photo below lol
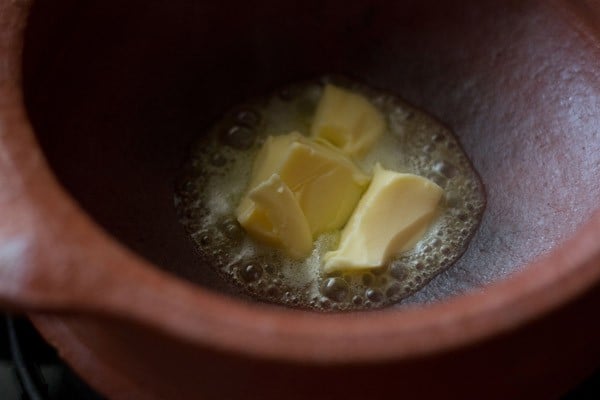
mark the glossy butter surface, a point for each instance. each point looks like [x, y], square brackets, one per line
[325, 187]
[391, 217]
[347, 120]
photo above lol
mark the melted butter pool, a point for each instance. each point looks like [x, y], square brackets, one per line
[414, 142]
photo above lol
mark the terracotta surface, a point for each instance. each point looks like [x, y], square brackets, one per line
[91, 248]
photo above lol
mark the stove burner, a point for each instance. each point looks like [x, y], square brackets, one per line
[38, 371]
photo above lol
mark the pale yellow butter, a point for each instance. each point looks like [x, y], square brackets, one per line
[347, 120]
[325, 184]
[286, 220]
[391, 217]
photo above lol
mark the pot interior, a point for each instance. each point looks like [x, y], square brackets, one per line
[117, 95]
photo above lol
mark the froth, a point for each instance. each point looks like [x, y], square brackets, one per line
[219, 171]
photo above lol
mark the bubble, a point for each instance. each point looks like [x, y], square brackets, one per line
[251, 272]
[239, 137]
[325, 303]
[335, 289]
[374, 295]
[446, 169]
[232, 229]
[357, 300]
[204, 239]
[248, 117]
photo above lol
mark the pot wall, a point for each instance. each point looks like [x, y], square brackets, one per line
[539, 360]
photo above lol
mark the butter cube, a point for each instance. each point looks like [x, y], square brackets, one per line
[286, 220]
[347, 120]
[325, 184]
[391, 218]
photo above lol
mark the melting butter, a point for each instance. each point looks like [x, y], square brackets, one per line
[220, 169]
[326, 186]
[300, 188]
[288, 226]
[347, 120]
[390, 218]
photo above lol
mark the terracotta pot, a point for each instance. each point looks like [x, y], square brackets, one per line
[99, 102]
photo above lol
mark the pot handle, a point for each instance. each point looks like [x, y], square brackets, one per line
[53, 257]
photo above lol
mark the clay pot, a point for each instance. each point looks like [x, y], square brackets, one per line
[100, 101]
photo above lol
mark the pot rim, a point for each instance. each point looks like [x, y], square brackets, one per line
[143, 294]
